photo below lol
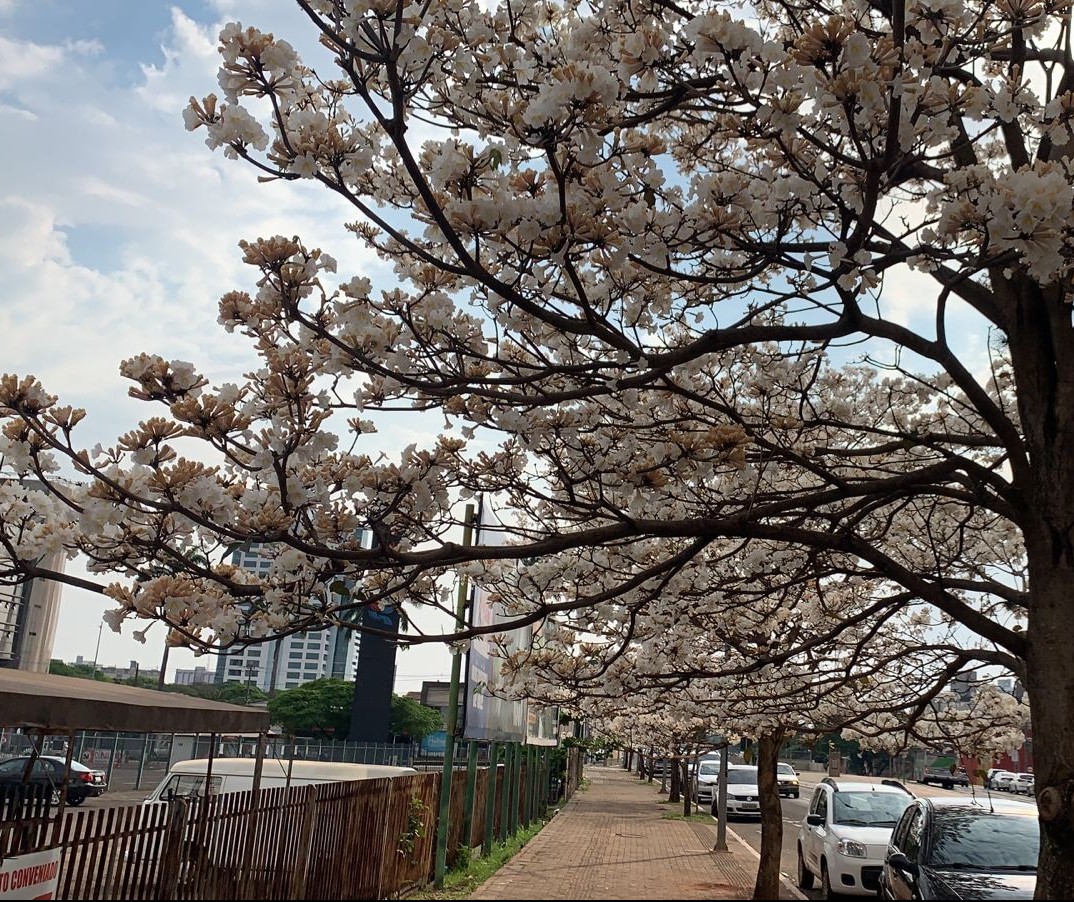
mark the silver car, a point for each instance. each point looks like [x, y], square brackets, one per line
[706, 781]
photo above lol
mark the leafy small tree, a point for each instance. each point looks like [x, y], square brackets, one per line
[318, 708]
[412, 720]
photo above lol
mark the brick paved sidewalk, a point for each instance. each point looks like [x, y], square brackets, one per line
[611, 841]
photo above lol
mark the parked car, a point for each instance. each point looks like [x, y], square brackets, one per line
[1003, 780]
[945, 776]
[990, 777]
[743, 796]
[1024, 783]
[843, 840]
[787, 778]
[963, 848]
[707, 780]
[48, 770]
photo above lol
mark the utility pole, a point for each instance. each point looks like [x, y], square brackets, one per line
[721, 804]
[452, 716]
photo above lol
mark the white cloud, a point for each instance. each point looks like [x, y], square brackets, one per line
[118, 233]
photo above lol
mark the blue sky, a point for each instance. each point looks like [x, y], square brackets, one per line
[118, 228]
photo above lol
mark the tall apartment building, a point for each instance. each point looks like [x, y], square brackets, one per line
[29, 613]
[292, 660]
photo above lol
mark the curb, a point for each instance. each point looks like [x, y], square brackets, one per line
[790, 887]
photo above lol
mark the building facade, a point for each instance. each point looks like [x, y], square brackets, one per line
[290, 661]
[29, 614]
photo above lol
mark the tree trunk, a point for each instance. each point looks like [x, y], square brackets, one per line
[767, 885]
[1041, 344]
[673, 795]
[684, 778]
[652, 763]
[1050, 683]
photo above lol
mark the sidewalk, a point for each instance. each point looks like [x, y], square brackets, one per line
[611, 841]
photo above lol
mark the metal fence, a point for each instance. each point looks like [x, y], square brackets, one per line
[136, 761]
[370, 839]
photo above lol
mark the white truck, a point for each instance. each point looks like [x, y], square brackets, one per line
[186, 779]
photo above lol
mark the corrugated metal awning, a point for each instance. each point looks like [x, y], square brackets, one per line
[67, 703]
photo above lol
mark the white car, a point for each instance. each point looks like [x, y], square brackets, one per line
[1003, 780]
[787, 778]
[707, 779]
[844, 838]
[743, 796]
[1026, 783]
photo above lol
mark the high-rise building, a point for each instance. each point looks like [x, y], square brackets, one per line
[292, 660]
[29, 613]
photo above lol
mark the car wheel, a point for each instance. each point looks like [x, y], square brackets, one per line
[54, 798]
[949, 786]
[805, 876]
[75, 799]
[826, 883]
[797, 795]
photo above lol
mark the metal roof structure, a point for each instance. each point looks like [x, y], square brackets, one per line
[43, 700]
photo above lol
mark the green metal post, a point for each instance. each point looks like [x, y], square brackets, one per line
[490, 800]
[471, 791]
[442, 826]
[516, 779]
[505, 801]
[531, 781]
[542, 788]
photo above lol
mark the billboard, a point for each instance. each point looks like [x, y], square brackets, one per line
[485, 716]
[374, 677]
[542, 724]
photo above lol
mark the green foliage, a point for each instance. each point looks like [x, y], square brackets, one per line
[140, 682]
[232, 693]
[679, 816]
[412, 720]
[81, 671]
[414, 829]
[468, 874]
[319, 708]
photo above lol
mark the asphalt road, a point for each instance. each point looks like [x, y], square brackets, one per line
[794, 812]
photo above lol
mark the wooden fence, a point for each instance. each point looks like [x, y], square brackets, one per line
[370, 839]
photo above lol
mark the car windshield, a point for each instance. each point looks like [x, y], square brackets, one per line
[785, 769]
[986, 842]
[869, 809]
[1026, 777]
[746, 776]
[708, 769]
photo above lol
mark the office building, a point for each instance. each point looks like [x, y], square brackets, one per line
[290, 661]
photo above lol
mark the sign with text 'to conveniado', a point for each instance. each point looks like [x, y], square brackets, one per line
[32, 876]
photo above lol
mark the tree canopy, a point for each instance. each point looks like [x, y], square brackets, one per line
[727, 303]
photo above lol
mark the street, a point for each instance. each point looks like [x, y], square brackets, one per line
[794, 812]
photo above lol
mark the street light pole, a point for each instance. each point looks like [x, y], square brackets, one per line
[163, 664]
[97, 650]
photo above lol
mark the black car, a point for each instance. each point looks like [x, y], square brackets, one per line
[963, 848]
[48, 771]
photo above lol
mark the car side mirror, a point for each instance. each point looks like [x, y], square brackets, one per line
[815, 820]
[900, 862]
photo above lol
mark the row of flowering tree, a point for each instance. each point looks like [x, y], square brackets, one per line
[752, 657]
[675, 273]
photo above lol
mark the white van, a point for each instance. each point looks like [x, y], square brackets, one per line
[187, 778]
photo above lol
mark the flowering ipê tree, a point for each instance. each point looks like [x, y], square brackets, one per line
[633, 239]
